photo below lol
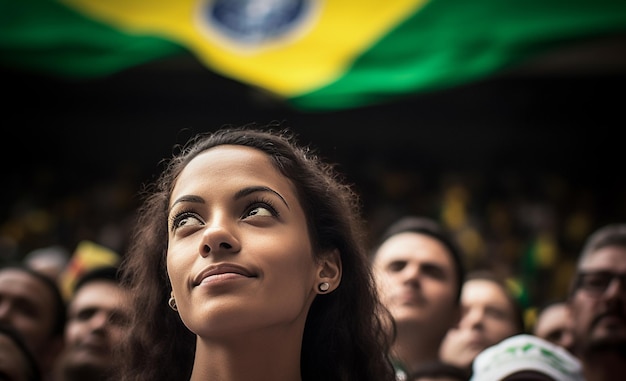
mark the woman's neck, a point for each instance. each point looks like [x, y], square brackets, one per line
[262, 357]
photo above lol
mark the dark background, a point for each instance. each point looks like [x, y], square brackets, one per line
[532, 151]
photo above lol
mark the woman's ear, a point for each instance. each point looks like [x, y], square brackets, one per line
[329, 272]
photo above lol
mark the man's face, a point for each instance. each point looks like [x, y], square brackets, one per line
[598, 302]
[417, 281]
[27, 305]
[487, 317]
[98, 317]
[554, 325]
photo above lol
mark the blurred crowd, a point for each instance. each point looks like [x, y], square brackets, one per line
[514, 244]
[526, 228]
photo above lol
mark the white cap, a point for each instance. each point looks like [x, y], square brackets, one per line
[523, 353]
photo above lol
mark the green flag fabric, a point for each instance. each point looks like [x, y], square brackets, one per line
[315, 54]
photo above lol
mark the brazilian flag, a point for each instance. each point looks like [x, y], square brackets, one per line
[314, 54]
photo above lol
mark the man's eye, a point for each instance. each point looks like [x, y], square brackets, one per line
[496, 313]
[597, 281]
[83, 315]
[396, 266]
[27, 309]
[119, 319]
[434, 272]
[554, 336]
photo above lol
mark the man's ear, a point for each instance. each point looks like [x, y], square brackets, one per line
[329, 272]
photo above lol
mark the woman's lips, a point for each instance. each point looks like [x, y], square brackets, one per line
[221, 271]
[221, 277]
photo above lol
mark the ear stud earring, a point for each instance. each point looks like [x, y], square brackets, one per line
[324, 286]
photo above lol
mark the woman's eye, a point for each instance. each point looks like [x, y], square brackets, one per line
[259, 210]
[185, 219]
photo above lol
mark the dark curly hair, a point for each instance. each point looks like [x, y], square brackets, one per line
[344, 336]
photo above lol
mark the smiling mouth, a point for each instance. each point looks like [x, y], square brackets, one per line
[222, 272]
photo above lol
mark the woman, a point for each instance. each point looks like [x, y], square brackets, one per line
[248, 264]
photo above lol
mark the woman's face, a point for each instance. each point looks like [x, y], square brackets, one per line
[239, 255]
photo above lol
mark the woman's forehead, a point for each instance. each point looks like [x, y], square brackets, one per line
[233, 166]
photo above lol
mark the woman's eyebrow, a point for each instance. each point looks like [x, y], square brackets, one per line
[249, 190]
[187, 198]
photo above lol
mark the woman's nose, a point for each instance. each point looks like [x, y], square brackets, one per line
[218, 238]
